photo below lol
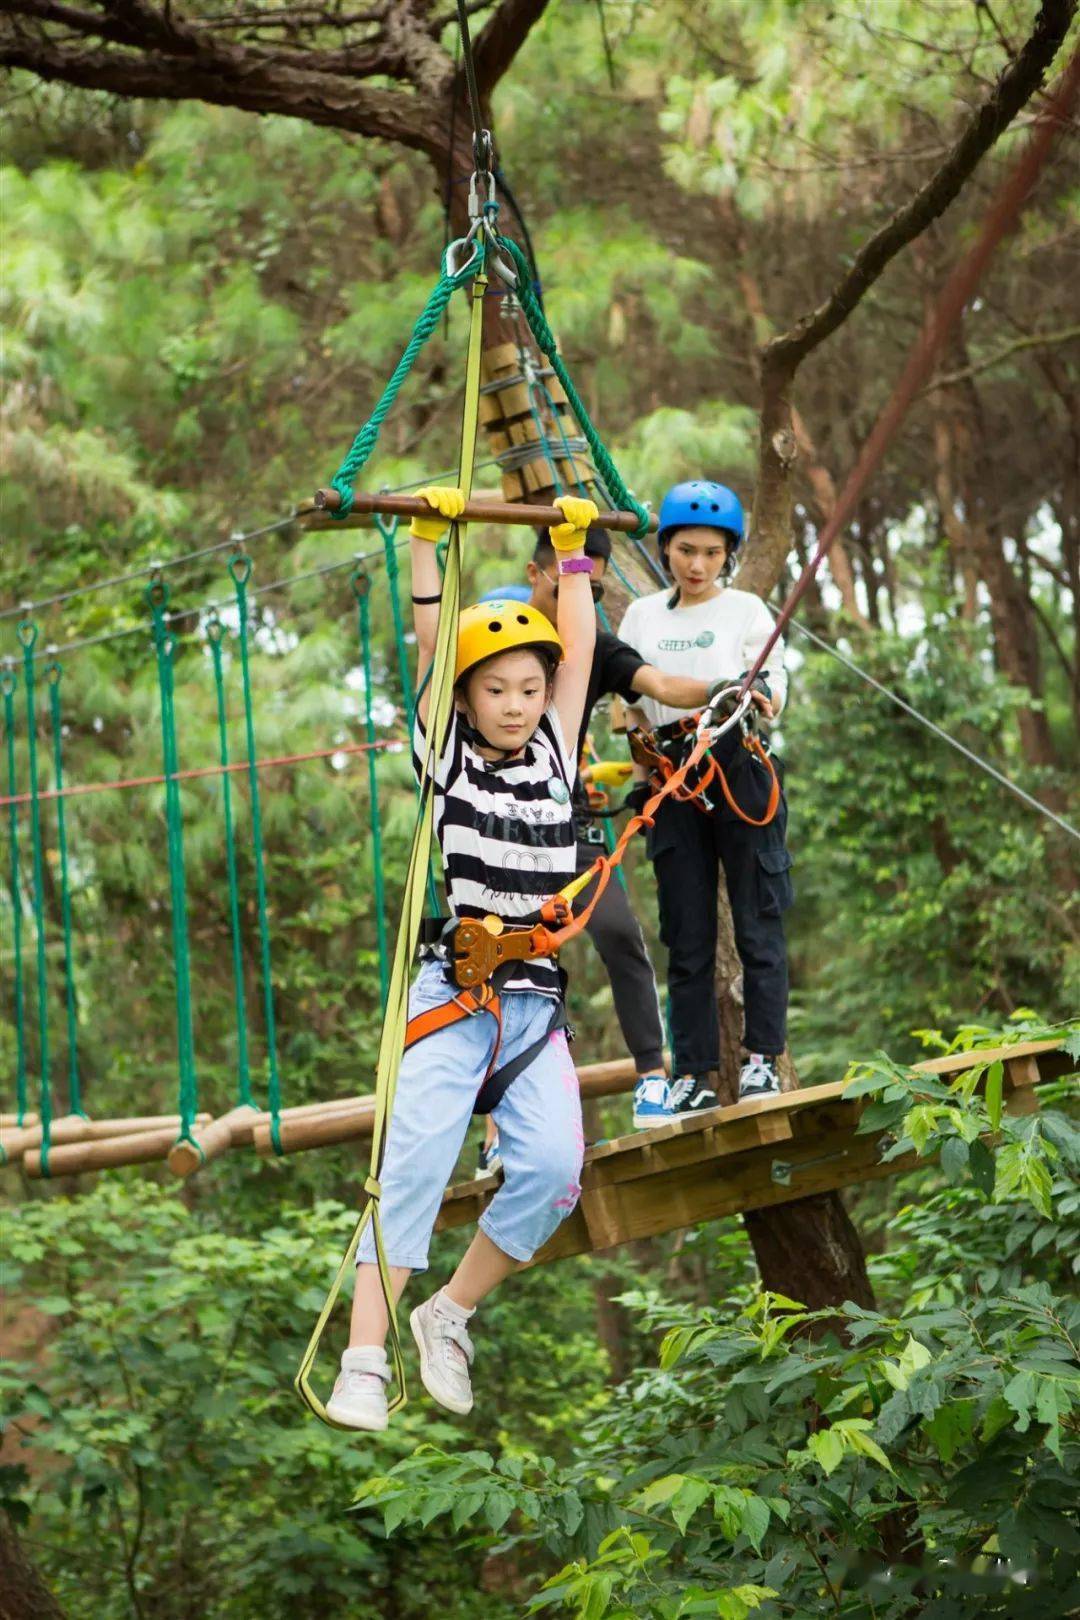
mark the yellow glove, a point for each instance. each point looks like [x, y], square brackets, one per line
[448, 503]
[570, 536]
[608, 772]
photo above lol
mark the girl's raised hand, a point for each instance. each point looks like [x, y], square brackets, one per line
[447, 502]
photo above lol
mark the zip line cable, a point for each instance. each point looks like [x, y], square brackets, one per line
[936, 730]
[239, 539]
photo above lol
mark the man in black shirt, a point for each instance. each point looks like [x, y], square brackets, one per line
[617, 669]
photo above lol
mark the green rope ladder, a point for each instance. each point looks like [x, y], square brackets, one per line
[28, 635]
[240, 572]
[7, 689]
[215, 633]
[54, 674]
[157, 597]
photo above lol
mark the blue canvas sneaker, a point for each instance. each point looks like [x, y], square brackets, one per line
[651, 1102]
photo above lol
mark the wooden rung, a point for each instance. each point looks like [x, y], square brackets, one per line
[237, 1129]
[512, 400]
[208, 1143]
[10, 1122]
[489, 409]
[72, 1128]
[78, 1158]
[497, 359]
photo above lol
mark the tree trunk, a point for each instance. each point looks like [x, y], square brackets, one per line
[809, 1249]
[23, 1593]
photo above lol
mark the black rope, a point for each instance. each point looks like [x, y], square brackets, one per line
[482, 156]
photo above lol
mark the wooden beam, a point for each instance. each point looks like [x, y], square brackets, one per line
[746, 1156]
[476, 511]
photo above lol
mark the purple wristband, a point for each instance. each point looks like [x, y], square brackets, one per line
[575, 565]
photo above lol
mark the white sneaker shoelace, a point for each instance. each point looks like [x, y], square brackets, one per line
[757, 1076]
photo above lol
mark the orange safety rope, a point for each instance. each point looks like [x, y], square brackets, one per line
[192, 774]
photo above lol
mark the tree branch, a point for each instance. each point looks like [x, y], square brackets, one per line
[228, 77]
[782, 356]
[502, 37]
[1036, 340]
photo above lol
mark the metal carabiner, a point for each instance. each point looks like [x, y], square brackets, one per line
[705, 728]
[458, 246]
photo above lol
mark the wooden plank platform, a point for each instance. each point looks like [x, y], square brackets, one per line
[749, 1155]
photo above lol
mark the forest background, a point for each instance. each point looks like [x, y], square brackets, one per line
[200, 308]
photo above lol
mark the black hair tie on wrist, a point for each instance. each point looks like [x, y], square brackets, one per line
[426, 601]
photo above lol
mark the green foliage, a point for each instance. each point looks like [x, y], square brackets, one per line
[917, 1457]
[198, 314]
[165, 1418]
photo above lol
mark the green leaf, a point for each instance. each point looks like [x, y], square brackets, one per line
[498, 1506]
[954, 1160]
[755, 1520]
[691, 1494]
[995, 1086]
[827, 1448]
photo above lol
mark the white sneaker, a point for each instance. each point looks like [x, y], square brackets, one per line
[446, 1352]
[758, 1077]
[651, 1106]
[359, 1398]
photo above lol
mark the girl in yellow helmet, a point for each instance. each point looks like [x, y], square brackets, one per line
[503, 816]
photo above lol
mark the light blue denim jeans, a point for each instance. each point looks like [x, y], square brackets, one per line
[539, 1119]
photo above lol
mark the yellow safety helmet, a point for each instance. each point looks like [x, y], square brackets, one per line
[488, 628]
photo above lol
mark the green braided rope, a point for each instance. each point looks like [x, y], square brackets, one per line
[361, 588]
[344, 479]
[215, 632]
[55, 675]
[7, 687]
[157, 598]
[545, 338]
[28, 635]
[240, 572]
[388, 528]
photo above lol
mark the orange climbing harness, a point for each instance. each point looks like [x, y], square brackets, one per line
[478, 949]
[647, 750]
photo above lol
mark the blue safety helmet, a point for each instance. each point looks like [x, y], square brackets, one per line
[701, 504]
[508, 593]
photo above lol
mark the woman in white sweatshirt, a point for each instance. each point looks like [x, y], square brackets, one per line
[704, 629]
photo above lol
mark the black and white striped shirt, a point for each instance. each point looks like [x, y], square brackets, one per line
[506, 831]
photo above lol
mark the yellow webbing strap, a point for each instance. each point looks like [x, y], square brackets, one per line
[392, 1043]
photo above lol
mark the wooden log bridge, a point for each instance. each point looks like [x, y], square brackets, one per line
[750, 1155]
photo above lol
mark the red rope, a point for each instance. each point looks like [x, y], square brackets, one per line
[1000, 218]
[201, 770]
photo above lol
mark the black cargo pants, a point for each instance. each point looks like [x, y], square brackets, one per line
[688, 849]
